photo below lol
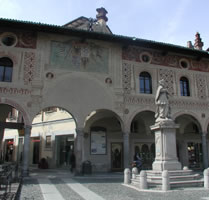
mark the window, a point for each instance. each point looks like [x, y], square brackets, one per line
[184, 63]
[145, 57]
[6, 67]
[145, 83]
[184, 86]
[48, 141]
[8, 40]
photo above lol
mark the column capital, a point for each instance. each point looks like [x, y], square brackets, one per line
[204, 133]
[28, 126]
[126, 133]
[80, 131]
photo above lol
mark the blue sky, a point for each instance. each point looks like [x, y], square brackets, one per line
[170, 21]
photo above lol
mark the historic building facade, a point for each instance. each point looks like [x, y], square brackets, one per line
[108, 84]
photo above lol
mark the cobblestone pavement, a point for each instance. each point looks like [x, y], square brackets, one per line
[31, 190]
[105, 187]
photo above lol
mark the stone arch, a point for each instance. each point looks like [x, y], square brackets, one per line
[48, 106]
[189, 139]
[194, 115]
[93, 114]
[10, 56]
[136, 112]
[78, 93]
[16, 105]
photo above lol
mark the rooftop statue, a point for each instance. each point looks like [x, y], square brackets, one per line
[163, 111]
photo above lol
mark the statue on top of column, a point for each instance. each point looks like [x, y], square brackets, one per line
[163, 111]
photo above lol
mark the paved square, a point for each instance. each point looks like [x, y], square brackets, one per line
[59, 185]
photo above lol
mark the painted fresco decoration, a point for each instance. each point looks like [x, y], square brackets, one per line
[75, 56]
[25, 39]
[29, 67]
[133, 54]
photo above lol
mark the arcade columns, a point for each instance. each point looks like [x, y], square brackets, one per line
[79, 149]
[26, 151]
[126, 149]
[205, 150]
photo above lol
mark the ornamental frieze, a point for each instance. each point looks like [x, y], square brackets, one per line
[22, 39]
[176, 103]
[135, 100]
[14, 91]
[157, 58]
[189, 104]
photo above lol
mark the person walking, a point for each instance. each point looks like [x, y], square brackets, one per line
[72, 162]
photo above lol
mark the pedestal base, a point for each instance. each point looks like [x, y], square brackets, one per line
[165, 146]
[166, 165]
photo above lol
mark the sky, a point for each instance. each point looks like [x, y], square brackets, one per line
[169, 21]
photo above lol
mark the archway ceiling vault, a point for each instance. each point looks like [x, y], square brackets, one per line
[5, 110]
[186, 120]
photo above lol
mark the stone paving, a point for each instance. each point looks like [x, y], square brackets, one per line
[31, 190]
[106, 186]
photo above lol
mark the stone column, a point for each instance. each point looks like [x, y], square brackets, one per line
[183, 151]
[1, 143]
[205, 150]
[165, 146]
[26, 151]
[79, 149]
[126, 152]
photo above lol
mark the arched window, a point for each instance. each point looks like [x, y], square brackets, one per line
[6, 66]
[145, 83]
[184, 86]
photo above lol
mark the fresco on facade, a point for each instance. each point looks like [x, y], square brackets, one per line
[25, 39]
[157, 58]
[75, 56]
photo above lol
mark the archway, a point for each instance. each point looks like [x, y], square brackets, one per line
[189, 143]
[103, 141]
[52, 138]
[11, 133]
[142, 139]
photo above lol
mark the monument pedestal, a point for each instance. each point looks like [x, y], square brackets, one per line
[165, 146]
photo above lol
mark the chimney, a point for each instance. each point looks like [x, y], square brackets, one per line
[189, 45]
[198, 42]
[101, 16]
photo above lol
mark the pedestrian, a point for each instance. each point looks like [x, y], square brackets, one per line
[72, 161]
[137, 160]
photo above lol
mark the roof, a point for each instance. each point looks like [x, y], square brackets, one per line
[123, 40]
[80, 21]
[77, 22]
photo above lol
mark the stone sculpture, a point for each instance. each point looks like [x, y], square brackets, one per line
[162, 103]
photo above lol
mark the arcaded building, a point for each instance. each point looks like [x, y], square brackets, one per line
[108, 84]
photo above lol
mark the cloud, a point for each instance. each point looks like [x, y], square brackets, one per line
[9, 9]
